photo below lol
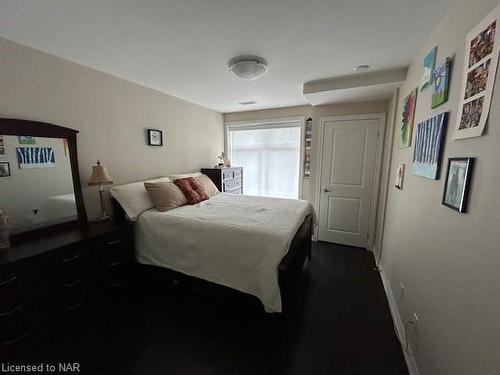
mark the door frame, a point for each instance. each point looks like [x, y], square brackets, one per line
[280, 120]
[381, 117]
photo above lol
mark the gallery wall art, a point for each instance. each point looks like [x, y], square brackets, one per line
[456, 187]
[429, 62]
[428, 148]
[406, 130]
[480, 66]
[35, 157]
[440, 84]
[2, 146]
[308, 148]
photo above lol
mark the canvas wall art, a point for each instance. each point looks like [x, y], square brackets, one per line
[35, 157]
[480, 66]
[429, 141]
[429, 62]
[440, 84]
[456, 187]
[409, 105]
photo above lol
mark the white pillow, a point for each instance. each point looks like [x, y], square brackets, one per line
[184, 175]
[134, 197]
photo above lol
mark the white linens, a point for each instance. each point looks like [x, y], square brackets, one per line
[234, 240]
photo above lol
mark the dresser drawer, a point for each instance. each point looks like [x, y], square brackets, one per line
[227, 175]
[232, 184]
[237, 173]
[11, 293]
[12, 326]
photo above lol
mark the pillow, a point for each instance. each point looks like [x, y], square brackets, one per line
[208, 185]
[184, 175]
[192, 189]
[165, 195]
[134, 198]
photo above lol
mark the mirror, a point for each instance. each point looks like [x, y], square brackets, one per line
[36, 184]
[40, 185]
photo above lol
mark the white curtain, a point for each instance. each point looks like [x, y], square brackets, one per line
[270, 157]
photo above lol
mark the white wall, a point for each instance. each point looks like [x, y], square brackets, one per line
[448, 262]
[111, 114]
[308, 184]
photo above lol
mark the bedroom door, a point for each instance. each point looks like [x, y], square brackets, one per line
[348, 163]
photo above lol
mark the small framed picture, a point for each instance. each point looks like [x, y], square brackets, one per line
[155, 137]
[400, 175]
[4, 169]
[456, 186]
[26, 140]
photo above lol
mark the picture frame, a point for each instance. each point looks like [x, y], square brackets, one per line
[408, 117]
[155, 137]
[457, 183]
[4, 169]
[26, 140]
[400, 175]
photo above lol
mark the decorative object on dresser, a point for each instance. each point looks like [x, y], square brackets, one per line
[227, 180]
[101, 177]
[155, 137]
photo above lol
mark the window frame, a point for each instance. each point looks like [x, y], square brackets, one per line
[269, 124]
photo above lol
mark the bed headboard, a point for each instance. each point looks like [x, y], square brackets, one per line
[119, 215]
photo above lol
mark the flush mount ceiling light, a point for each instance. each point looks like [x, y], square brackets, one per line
[247, 67]
[361, 68]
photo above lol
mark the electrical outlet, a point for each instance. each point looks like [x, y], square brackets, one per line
[401, 292]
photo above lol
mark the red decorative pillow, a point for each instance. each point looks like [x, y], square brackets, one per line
[192, 190]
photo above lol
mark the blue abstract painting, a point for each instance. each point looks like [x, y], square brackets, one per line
[429, 142]
[36, 157]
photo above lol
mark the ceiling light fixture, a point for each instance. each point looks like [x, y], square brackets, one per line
[361, 68]
[247, 67]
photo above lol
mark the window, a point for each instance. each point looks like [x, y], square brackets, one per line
[270, 156]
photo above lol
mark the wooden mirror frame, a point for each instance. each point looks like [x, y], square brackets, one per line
[19, 127]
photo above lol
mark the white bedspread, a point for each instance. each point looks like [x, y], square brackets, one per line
[233, 240]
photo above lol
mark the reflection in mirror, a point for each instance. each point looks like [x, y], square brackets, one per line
[36, 189]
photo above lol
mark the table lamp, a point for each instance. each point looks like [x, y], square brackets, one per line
[101, 177]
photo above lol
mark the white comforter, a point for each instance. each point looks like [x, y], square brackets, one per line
[233, 240]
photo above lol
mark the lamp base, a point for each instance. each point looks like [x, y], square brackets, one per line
[104, 217]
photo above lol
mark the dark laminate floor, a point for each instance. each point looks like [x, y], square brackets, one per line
[337, 323]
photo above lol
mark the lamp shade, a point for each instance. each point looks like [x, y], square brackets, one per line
[100, 175]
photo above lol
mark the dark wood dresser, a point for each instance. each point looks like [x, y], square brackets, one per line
[227, 180]
[47, 280]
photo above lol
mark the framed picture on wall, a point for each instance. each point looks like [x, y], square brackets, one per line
[4, 169]
[155, 137]
[456, 186]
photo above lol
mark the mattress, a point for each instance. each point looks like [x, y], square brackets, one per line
[233, 240]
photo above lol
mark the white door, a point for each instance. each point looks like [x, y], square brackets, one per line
[347, 176]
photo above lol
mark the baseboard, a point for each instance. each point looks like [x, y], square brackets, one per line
[399, 326]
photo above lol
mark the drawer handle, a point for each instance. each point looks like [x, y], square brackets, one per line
[14, 278]
[13, 311]
[65, 260]
[113, 242]
[16, 340]
[73, 307]
[72, 284]
[114, 264]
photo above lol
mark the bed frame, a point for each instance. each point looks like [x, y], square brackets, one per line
[288, 269]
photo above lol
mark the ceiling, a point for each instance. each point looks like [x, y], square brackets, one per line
[181, 47]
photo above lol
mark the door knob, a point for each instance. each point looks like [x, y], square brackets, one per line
[327, 191]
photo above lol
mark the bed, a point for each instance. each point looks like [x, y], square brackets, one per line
[255, 245]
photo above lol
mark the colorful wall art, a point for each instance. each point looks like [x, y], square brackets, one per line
[480, 66]
[400, 175]
[36, 157]
[429, 62]
[440, 84]
[429, 141]
[409, 105]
